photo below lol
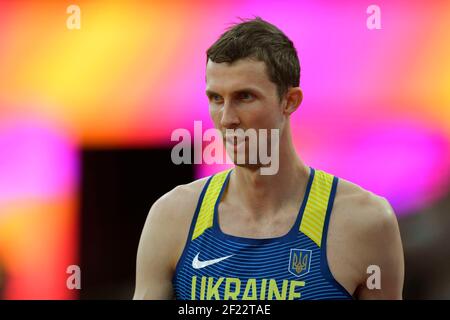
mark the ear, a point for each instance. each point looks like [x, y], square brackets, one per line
[294, 98]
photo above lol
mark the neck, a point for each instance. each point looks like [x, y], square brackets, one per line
[264, 194]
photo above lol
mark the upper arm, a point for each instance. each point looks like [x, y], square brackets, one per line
[382, 248]
[154, 263]
[162, 241]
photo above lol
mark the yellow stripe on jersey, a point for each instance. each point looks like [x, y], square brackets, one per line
[206, 214]
[316, 206]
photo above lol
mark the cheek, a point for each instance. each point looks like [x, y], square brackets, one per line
[215, 115]
[270, 117]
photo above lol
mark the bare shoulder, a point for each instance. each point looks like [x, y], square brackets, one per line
[366, 210]
[162, 240]
[170, 217]
[364, 231]
[177, 203]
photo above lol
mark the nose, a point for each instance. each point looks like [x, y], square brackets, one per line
[229, 117]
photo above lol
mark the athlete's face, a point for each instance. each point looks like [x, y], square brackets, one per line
[241, 96]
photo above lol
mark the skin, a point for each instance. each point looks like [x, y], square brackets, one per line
[363, 229]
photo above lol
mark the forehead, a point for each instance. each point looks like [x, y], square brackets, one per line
[243, 72]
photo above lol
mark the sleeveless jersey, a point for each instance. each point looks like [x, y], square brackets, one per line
[219, 266]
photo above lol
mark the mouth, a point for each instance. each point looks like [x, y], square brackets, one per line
[235, 142]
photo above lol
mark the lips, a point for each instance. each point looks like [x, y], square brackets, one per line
[235, 138]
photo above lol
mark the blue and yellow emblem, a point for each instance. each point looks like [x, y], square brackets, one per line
[299, 262]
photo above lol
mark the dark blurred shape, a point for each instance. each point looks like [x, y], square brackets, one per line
[426, 243]
[118, 188]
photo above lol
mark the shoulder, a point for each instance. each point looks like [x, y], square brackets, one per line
[176, 206]
[368, 212]
[162, 240]
[363, 232]
[168, 221]
[183, 197]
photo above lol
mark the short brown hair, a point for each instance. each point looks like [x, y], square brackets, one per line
[262, 41]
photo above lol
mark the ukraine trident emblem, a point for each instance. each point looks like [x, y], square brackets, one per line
[299, 262]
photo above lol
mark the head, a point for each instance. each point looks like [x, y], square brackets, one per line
[252, 78]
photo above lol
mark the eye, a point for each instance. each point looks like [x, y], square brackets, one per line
[245, 96]
[215, 98]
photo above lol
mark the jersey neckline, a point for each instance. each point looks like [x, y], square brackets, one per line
[290, 235]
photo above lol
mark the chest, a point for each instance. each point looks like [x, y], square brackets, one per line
[235, 221]
[219, 266]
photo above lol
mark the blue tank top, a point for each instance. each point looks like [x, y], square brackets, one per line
[219, 266]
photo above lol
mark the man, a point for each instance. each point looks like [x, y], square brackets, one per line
[298, 234]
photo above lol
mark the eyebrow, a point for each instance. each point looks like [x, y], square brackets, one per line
[251, 90]
[211, 93]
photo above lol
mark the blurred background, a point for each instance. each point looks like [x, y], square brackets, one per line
[86, 117]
